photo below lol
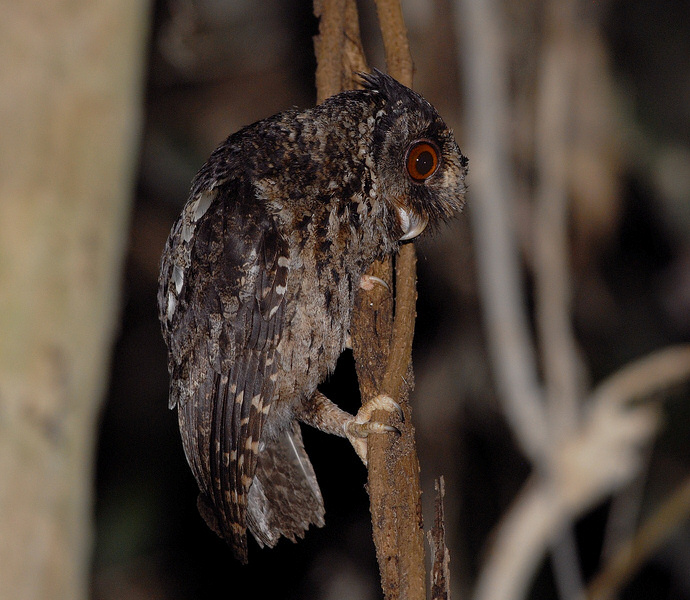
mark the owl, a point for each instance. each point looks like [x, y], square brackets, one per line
[258, 281]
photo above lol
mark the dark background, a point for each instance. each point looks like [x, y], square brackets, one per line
[214, 67]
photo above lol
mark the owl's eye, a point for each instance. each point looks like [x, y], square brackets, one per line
[422, 160]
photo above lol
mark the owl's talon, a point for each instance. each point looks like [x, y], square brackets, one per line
[367, 282]
[362, 430]
[359, 427]
[380, 402]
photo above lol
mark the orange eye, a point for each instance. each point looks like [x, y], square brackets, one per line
[422, 160]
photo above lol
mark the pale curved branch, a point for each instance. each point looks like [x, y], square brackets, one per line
[645, 376]
[603, 456]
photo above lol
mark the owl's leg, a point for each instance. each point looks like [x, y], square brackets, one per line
[322, 413]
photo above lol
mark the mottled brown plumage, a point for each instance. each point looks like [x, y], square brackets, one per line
[258, 280]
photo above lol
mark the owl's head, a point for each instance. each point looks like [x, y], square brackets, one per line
[419, 169]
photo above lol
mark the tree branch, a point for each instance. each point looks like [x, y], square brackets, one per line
[338, 47]
[440, 569]
[394, 467]
[328, 46]
[379, 340]
[586, 468]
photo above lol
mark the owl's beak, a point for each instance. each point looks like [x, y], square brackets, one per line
[411, 223]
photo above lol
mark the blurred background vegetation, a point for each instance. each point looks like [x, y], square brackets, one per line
[213, 66]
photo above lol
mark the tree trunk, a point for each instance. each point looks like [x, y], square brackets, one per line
[69, 115]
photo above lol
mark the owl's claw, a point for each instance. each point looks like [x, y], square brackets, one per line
[367, 282]
[359, 427]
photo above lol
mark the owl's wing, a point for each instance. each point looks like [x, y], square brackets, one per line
[223, 337]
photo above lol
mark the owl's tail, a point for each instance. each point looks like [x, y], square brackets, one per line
[284, 498]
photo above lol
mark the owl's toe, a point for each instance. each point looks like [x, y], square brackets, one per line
[380, 402]
[367, 282]
[359, 427]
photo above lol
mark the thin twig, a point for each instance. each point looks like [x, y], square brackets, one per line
[440, 568]
[403, 325]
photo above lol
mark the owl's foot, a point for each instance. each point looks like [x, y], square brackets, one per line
[359, 427]
[367, 282]
[318, 411]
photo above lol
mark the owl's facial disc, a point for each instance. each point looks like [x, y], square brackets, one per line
[411, 223]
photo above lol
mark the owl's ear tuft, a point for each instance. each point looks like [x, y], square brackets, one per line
[378, 81]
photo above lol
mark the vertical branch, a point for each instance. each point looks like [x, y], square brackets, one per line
[338, 47]
[353, 53]
[328, 46]
[395, 44]
[382, 345]
[394, 466]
